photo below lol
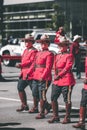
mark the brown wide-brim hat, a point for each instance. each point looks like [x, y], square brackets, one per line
[29, 38]
[44, 39]
[63, 41]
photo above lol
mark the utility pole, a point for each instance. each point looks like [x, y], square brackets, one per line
[70, 19]
[82, 21]
[1, 21]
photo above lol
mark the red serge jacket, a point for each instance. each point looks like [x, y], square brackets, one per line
[85, 84]
[27, 61]
[57, 37]
[0, 66]
[43, 65]
[63, 69]
[86, 66]
[75, 48]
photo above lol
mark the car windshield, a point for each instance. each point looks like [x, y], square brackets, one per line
[38, 37]
[51, 37]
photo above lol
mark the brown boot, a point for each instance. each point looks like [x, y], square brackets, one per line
[40, 116]
[81, 123]
[42, 108]
[35, 107]
[23, 109]
[48, 107]
[24, 106]
[67, 116]
[55, 117]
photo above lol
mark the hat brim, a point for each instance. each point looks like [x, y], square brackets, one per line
[28, 40]
[65, 43]
[43, 41]
[76, 38]
[38, 41]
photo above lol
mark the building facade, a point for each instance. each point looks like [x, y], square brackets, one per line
[23, 16]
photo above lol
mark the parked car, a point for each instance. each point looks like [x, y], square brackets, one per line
[16, 49]
[38, 33]
[12, 50]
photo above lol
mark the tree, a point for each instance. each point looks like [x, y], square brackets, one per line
[58, 18]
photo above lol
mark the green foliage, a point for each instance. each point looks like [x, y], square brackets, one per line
[58, 18]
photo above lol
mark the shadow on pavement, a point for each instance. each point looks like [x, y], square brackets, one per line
[8, 128]
[9, 80]
[10, 123]
[2, 125]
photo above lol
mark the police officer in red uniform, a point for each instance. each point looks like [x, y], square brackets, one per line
[42, 74]
[83, 103]
[75, 50]
[63, 81]
[25, 65]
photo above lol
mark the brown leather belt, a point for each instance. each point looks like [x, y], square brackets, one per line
[59, 70]
[40, 66]
[26, 67]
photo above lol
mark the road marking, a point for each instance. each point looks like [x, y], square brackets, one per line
[62, 106]
[17, 100]
[12, 99]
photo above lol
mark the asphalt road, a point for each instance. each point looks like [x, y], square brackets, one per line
[9, 102]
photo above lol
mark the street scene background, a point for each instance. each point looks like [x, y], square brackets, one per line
[9, 102]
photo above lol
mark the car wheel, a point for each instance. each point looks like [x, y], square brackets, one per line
[8, 62]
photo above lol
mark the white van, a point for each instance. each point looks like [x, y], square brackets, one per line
[12, 50]
[17, 49]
